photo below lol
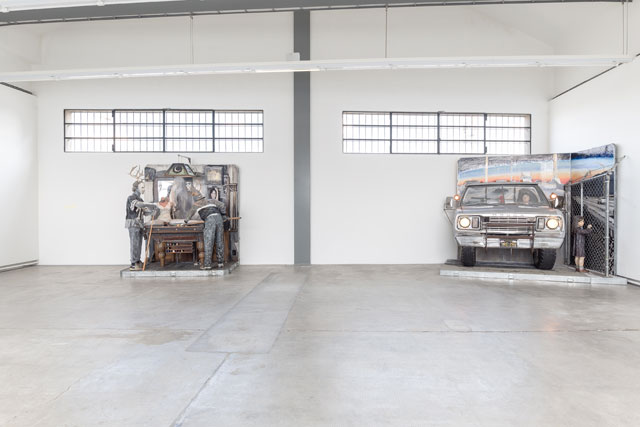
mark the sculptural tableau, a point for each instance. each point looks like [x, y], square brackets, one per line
[188, 214]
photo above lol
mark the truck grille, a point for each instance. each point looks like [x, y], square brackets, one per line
[510, 220]
[509, 225]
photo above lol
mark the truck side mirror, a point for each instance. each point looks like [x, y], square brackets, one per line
[557, 202]
[451, 203]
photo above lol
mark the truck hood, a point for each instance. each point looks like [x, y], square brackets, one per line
[508, 210]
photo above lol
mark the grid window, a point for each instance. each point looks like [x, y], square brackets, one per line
[508, 134]
[414, 133]
[189, 131]
[239, 131]
[137, 131]
[462, 133]
[435, 133]
[164, 131]
[88, 131]
[366, 132]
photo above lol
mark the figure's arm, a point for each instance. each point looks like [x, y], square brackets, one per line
[220, 205]
[137, 204]
[192, 211]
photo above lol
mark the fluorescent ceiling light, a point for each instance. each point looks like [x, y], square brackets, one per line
[13, 5]
[320, 65]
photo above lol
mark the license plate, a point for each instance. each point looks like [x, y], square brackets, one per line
[508, 243]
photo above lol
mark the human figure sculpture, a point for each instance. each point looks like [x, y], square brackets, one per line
[579, 241]
[135, 209]
[164, 212]
[181, 198]
[211, 212]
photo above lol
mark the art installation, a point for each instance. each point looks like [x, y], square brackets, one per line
[550, 171]
[188, 215]
[516, 202]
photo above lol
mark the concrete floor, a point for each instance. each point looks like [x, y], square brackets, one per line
[322, 345]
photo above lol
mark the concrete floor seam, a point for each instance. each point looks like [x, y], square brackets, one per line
[221, 318]
[180, 419]
[304, 283]
[462, 332]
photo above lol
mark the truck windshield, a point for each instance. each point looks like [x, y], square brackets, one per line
[530, 195]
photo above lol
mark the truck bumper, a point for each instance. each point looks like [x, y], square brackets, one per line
[539, 241]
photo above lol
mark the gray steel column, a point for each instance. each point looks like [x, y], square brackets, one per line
[302, 141]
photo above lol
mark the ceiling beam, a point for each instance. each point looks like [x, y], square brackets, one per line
[151, 9]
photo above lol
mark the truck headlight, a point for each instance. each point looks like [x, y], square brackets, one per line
[464, 222]
[553, 223]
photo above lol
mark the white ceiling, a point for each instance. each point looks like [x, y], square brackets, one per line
[552, 23]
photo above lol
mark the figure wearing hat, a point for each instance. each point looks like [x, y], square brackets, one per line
[578, 242]
[211, 212]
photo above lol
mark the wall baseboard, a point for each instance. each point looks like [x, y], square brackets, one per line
[18, 265]
[631, 281]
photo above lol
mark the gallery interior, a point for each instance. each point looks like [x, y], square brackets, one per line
[319, 213]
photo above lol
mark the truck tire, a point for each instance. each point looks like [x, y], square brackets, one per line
[544, 259]
[468, 256]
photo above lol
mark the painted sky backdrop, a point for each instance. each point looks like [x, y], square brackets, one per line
[551, 171]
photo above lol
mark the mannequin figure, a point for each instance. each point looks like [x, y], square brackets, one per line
[578, 243]
[135, 210]
[211, 212]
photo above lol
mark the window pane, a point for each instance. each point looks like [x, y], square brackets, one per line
[137, 130]
[189, 131]
[449, 133]
[368, 133]
[462, 133]
[414, 132]
[88, 131]
[508, 134]
[239, 131]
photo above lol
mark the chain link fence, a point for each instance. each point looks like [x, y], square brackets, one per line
[594, 199]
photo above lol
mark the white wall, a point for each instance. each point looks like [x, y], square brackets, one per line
[365, 209]
[604, 111]
[82, 196]
[388, 208]
[604, 36]
[19, 189]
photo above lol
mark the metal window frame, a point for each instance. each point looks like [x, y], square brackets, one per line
[190, 110]
[438, 127]
[231, 124]
[64, 129]
[164, 132]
